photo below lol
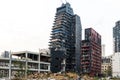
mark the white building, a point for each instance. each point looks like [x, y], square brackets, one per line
[103, 50]
[24, 62]
[116, 65]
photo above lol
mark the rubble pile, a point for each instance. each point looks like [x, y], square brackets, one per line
[55, 76]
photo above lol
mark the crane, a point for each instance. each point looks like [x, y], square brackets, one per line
[63, 2]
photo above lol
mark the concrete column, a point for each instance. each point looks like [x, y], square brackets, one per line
[10, 57]
[48, 67]
[39, 63]
[26, 64]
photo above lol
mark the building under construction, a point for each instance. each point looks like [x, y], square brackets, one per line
[91, 53]
[23, 63]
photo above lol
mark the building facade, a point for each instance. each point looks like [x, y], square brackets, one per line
[106, 66]
[116, 47]
[65, 40]
[116, 37]
[91, 53]
[24, 62]
[116, 65]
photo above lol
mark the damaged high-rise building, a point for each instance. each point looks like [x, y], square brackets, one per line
[65, 42]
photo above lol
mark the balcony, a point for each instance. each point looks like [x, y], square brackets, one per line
[32, 65]
[4, 65]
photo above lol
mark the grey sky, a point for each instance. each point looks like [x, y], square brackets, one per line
[26, 24]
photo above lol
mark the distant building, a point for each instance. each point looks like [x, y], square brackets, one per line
[103, 50]
[116, 65]
[91, 53]
[116, 37]
[24, 62]
[106, 66]
[65, 42]
[44, 51]
[5, 54]
[116, 55]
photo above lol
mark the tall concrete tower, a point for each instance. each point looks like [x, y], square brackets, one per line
[65, 42]
[103, 50]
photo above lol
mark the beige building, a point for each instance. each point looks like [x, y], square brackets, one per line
[106, 66]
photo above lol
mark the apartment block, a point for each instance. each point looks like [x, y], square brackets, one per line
[91, 53]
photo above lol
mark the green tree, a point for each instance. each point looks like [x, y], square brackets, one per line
[21, 65]
[109, 71]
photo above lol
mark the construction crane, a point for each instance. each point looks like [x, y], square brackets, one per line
[63, 2]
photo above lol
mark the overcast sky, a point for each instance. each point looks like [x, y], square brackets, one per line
[26, 24]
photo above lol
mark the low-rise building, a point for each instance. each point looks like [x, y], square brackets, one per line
[24, 62]
[106, 66]
[116, 64]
